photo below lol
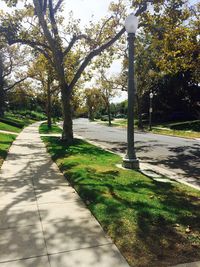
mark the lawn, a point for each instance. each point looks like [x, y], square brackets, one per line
[114, 123]
[148, 220]
[186, 134]
[43, 129]
[188, 129]
[13, 122]
[7, 127]
[193, 126]
[5, 142]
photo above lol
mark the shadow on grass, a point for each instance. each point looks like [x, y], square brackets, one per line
[139, 214]
[187, 126]
[5, 142]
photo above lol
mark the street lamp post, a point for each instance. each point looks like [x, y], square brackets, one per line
[150, 110]
[130, 161]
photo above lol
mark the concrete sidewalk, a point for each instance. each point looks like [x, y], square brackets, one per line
[43, 222]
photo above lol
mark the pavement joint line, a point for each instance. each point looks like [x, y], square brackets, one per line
[78, 249]
[38, 210]
[56, 202]
[16, 227]
[26, 258]
[20, 205]
[40, 218]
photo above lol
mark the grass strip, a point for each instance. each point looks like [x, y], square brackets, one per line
[152, 223]
[189, 129]
[43, 129]
[178, 133]
[7, 127]
[5, 142]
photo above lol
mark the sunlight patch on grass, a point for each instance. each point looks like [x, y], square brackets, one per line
[43, 129]
[5, 142]
[177, 133]
[10, 128]
[145, 218]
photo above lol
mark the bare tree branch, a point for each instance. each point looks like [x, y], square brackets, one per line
[58, 5]
[92, 55]
[34, 45]
[9, 69]
[97, 51]
[73, 41]
[142, 8]
[14, 84]
[104, 24]
[43, 24]
[52, 19]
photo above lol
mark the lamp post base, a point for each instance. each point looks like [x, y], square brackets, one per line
[131, 163]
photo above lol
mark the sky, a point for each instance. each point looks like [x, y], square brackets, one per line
[95, 10]
[87, 10]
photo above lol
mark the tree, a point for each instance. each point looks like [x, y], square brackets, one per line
[45, 36]
[22, 97]
[108, 88]
[167, 58]
[42, 71]
[94, 101]
[10, 76]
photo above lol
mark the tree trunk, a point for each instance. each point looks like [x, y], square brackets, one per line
[140, 123]
[2, 101]
[49, 119]
[67, 134]
[109, 115]
[2, 93]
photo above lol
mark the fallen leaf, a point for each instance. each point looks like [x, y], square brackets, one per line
[188, 230]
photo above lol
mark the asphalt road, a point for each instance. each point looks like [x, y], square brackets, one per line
[180, 155]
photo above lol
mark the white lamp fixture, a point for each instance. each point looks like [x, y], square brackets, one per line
[131, 23]
[151, 95]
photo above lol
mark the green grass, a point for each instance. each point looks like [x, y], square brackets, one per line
[146, 219]
[43, 129]
[10, 128]
[186, 134]
[15, 120]
[189, 129]
[30, 114]
[120, 122]
[14, 123]
[193, 126]
[5, 142]
[114, 123]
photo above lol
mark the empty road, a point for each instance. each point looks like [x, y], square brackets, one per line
[180, 155]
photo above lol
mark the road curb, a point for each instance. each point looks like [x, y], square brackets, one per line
[145, 167]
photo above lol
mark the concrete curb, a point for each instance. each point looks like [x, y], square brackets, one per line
[145, 167]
